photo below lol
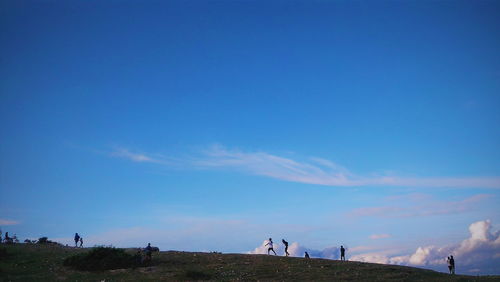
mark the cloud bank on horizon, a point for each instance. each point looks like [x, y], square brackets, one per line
[315, 170]
[478, 254]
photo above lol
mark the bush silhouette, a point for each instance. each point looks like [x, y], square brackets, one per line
[102, 258]
[44, 240]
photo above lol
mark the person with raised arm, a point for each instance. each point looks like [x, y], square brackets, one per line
[270, 244]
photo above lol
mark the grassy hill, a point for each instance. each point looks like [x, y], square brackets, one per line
[25, 262]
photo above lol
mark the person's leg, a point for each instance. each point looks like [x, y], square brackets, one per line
[268, 249]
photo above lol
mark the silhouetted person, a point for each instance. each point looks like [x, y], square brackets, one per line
[342, 253]
[148, 250]
[449, 264]
[306, 255]
[7, 238]
[81, 242]
[77, 238]
[452, 263]
[270, 244]
[286, 247]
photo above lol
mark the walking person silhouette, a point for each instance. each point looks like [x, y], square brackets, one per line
[270, 244]
[77, 238]
[286, 247]
[342, 253]
[449, 264]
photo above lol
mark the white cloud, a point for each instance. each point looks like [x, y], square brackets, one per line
[8, 222]
[297, 250]
[379, 236]
[262, 249]
[480, 253]
[311, 171]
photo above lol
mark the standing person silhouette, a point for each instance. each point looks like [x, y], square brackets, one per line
[149, 251]
[81, 242]
[449, 264]
[306, 255]
[77, 238]
[342, 253]
[452, 263]
[270, 244]
[286, 247]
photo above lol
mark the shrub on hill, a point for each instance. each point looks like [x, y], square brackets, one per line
[44, 240]
[102, 258]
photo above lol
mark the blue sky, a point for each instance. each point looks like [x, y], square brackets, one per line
[215, 125]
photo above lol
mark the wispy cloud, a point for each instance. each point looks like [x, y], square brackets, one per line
[140, 157]
[413, 205]
[8, 222]
[310, 171]
[379, 236]
[136, 157]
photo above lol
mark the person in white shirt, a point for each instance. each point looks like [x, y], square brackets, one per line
[270, 244]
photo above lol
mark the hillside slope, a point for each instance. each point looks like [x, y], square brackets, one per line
[23, 262]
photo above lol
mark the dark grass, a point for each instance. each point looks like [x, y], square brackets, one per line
[32, 262]
[103, 258]
[3, 254]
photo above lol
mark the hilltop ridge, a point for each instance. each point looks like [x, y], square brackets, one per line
[27, 262]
